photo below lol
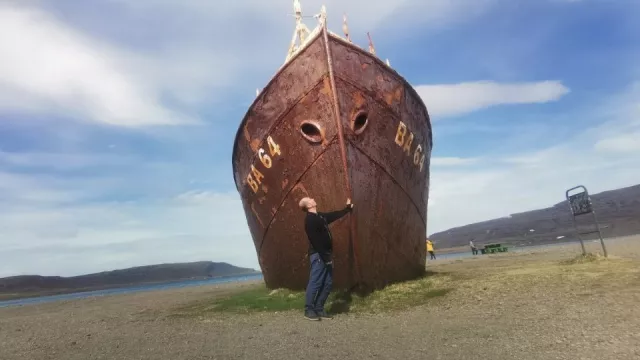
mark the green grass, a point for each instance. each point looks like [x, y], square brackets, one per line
[260, 299]
[255, 299]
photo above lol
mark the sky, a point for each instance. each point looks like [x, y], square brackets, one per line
[117, 117]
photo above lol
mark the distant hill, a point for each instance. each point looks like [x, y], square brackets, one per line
[618, 214]
[120, 278]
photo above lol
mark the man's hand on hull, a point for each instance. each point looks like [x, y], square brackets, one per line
[349, 204]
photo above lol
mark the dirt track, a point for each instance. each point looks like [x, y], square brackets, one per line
[513, 306]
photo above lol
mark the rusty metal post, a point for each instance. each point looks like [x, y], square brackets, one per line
[575, 226]
[604, 248]
[343, 150]
[583, 207]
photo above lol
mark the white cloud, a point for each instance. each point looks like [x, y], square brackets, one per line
[52, 224]
[457, 99]
[53, 236]
[61, 161]
[363, 15]
[519, 182]
[199, 51]
[452, 161]
[464, 197]
[626, 143]
[132, 212]
[48, 67]
[620, 132]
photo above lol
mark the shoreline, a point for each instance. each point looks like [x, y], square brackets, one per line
[549, 299]
[467, 249]
[29, 298]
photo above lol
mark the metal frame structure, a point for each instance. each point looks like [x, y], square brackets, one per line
[580, 204]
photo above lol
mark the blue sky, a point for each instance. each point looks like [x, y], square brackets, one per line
[117, 117]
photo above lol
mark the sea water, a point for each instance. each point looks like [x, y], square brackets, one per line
[229, 279]
[132, 289]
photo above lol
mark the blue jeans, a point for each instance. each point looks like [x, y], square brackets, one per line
[320, 282]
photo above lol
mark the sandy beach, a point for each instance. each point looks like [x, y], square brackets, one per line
[528, 305]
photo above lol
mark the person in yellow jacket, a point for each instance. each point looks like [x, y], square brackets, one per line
[430, 249]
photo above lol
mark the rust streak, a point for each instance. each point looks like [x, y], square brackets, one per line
[359, 99]
[284, 197]
[255, 144]
[398, 93]
[272, 81]
[394, 96]
[392, 179]
[277, 122]
[253, 209]
[356, 49]
[384, 105]
[326, 89]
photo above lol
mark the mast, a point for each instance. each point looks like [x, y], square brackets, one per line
[345, 27]
[300, 32]
[372, 49]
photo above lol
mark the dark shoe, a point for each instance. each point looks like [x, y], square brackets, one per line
[323, 315]
[311, 315]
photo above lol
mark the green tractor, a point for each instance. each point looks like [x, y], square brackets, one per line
[493, 248]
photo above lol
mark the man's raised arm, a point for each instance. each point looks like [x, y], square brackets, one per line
[335, 215]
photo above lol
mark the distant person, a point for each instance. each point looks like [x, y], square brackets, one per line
[316, 225]
[474, 250]
[430, 249]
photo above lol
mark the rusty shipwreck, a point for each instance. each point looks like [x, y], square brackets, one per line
[336, 122]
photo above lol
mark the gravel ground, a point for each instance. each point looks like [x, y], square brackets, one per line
[507, 306]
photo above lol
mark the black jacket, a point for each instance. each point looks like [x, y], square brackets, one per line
[318, 233]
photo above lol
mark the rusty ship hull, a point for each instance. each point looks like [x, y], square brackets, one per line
[334, 123]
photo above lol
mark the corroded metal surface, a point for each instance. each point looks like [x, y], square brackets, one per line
[289, 146]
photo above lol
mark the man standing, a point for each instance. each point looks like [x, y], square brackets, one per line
[430, 250]
[474, 250]
[316, 225]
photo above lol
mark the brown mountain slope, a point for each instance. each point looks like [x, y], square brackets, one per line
[120, 278]
[618, 213]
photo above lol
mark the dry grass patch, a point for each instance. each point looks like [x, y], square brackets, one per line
[584, 259]
[462, 283]
[260, 299]
[399, 296]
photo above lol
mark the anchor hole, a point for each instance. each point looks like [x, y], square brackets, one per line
[311, 131]
[360, 122]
